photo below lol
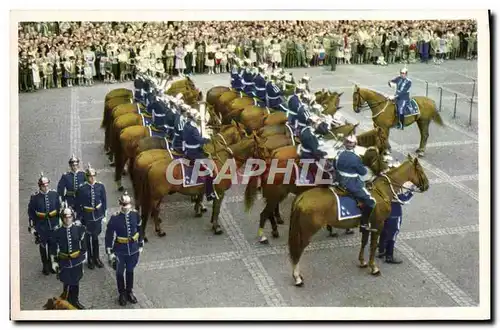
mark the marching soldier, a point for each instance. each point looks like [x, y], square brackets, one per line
[91, 206]
[392, 226]
[70, 181]
[124, 243]
[349, 170]
[43, 214]
[70, 241]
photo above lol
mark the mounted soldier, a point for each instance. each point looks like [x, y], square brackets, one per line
[236, 76]
[70, 181]
[43, 214]
[193, 148]
[309, 143]
[350, 169]
[301, 119]
[70, 249]
[260, 83]
[274, 95]
[402, 95]
[91, 205]
[124, 243]
[248, 77]
[294, 103]
[180, 120]
[305, 81]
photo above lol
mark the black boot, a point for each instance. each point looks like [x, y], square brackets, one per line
[47, 265]
[365, 219]
[75, 297]
[401, 125]
[130, 286]
[389, 255]
[90, 252]
[95, 248]
[120, 281]
[64, 294]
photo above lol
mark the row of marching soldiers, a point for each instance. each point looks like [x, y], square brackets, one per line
[67, 223]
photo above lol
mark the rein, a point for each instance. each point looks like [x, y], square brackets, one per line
[360, 105]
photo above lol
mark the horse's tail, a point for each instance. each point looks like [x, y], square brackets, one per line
[295, 238]
[251, 192]
[437, 117]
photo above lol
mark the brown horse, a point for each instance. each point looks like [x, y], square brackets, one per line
[317, 207]
[57, 303]
[275, 192]
[119, 92]
[157, 186]
[384, 113]
[119, 124]
[151, 149]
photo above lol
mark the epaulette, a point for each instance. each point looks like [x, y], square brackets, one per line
[53, 190]
[35, 193]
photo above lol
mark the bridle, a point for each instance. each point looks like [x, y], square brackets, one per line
[364, 104]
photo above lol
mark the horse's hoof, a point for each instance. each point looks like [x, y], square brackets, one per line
[198, 215]
[263, 240]
[121, 188]
[218, 231]
[299, 281]
[280, 222]
[420, 153]
[364, 264]
[161, 233]
[112, 164]
[276, 234]
[204, 209]
[349, 231]
[145, 239]
[376, 272]
[332, 234]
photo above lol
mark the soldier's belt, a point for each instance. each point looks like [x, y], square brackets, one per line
[42, 215]
[70, 193]
[191, 146]
[349, 175]
[92, 209]
[66, 256]
[125, 240]
[273, 97]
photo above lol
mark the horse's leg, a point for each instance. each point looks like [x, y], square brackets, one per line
[145, 211]
[217, 203]
[364, 241]
[119, 160]
[197, 205]
[373, 247]
[330, 231]
[388, 143]
[423, 126]
[155, 213]
[262, 223]
[277, 214]
[126, 164]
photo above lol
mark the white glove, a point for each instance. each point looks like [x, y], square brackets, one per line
[141, 249]
[78, 223]
[391, 97]
[55, 266]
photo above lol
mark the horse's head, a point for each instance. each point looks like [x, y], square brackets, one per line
[357, 100]
[381, 139]
[331, 103]
[417, 175]
[374, 160]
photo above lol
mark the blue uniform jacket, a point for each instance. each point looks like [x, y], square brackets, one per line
[43, 212]
[123, 233]
[91, 202]
[294, 103]
[274, 96]
[139, 89]
[248, 84]
[177, 144]
[402, 88]
[159, 112]
[349, 169]
[193, 141]
[309, 145]
[260, 86]
[69, 247]
[68, 185]
[303, 115]
[236, 78]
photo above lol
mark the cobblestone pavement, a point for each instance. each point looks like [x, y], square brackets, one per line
[190, 267]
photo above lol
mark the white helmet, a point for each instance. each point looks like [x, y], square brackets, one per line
[263, 66]
[247, 61]
[404, 70]
[306, 78]
[351, 140]
[317, 108]
[300, 87]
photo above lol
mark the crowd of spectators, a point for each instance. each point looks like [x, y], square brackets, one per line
[66, 54]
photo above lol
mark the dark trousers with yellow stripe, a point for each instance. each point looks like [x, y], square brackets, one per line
[126, 264]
